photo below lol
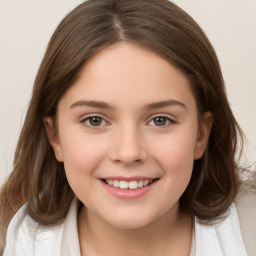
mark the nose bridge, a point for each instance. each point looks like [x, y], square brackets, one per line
[128, 145]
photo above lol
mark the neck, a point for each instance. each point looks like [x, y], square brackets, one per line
[169, 235]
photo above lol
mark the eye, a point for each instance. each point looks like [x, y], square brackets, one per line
[160, 121]
[94, 121]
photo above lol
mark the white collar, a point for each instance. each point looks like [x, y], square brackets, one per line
[25, 237]
[220, 238]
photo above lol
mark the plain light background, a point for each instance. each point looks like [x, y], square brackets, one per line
[26, 27]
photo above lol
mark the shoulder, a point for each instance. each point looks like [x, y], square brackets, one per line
[245, 203]
[27, 237]
[220, 236]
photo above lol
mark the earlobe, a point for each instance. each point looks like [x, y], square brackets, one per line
[53, 137]
[204, 130]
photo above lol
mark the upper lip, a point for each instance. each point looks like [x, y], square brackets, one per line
[134, 178]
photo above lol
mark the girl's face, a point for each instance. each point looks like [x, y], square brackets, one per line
[128, 134]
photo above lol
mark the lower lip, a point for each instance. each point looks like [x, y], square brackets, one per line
[128, 193]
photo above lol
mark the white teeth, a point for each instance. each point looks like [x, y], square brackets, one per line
[133, 184]
[140, 184]
[115, 183]
[145, 182]
[123, 184]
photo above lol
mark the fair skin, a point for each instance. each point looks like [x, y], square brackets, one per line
[131, 118]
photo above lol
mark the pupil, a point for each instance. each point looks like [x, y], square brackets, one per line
[95, 121]
[159, 121]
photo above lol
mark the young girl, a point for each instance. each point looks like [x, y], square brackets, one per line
[129, 143]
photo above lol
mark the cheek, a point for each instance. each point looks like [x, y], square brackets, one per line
[175, 154]
[177, 149]
[81, 155]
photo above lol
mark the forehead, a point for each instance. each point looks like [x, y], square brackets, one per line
[126, 73]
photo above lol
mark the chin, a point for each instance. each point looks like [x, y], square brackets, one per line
[127, 221]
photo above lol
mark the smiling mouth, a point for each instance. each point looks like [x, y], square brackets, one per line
[132, 185]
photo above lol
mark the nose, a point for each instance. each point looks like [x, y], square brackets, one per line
[128, 147]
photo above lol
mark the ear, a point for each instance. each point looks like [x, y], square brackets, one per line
[53, 138]
[204, 130]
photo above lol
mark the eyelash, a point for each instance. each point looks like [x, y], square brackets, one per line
[88, 121]
[167, 121]
[90, 118]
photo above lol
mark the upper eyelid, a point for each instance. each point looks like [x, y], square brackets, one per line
[148, 119]
[168, 119]
[168, 116]
[86, 117]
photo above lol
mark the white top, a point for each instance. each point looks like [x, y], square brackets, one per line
[220, 238]
[25, 237]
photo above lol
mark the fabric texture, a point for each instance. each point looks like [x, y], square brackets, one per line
[245, 202]
[220, 238]
[25, 237]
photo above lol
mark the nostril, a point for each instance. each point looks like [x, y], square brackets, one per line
[128, 152]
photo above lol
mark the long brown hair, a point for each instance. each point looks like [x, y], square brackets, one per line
[159, 25]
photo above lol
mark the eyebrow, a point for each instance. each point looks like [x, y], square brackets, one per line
[90, 103]
[166, 103]
[104, 105]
